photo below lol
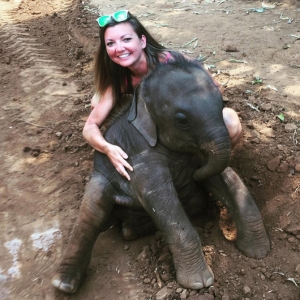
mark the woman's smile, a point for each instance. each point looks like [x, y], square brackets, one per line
[124, 55]
[125, 47]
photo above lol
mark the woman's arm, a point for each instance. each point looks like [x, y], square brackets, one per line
[94, 137]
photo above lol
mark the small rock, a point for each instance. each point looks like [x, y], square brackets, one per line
[250, 126]
[283, 167]
[58, 134]
[184, 295]
[286, 46]
[289, 127]
[274, 163]
[283, 236]
[280, 296]
[266, 106]
[268, 275]
[297, 168]
[26, 149]
[77, 101]
[165, 277]
[280, 147]
[293, 229]
[193, 292]
[126, 247]
[163, 293]
[170, 285]
[36, 151]
[231, 49]
[179, 290]
[246, 291]
[147, 280]
[242, 272]
[255, 141]
[291, 240]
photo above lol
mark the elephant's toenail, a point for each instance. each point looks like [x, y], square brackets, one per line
[209, 282]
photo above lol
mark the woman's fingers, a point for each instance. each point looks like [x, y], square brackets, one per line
[127, 165]
[118, 158]
[122, 169]
[124, 161]
[123, 172]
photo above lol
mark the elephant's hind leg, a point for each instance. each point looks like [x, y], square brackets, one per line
[252, 238]
[93, 218]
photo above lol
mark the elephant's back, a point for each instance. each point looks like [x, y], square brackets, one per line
[119, 110]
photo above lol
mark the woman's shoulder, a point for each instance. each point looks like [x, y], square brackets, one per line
[164, 56]
[169, 55]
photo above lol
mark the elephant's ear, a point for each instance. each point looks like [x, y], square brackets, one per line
[141, 119]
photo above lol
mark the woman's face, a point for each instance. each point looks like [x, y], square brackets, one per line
[123, 45]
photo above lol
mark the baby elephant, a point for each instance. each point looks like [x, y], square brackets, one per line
[176, 138]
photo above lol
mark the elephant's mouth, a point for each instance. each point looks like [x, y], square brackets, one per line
[215, 158]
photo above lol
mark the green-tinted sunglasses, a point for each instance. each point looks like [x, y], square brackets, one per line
[118, 16]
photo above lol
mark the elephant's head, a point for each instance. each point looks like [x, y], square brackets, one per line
[179, 105]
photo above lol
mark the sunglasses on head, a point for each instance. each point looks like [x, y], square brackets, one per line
[118, 16]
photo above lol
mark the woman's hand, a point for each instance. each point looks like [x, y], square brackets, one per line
[118, 158]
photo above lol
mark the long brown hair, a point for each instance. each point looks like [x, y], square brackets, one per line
[109, 74]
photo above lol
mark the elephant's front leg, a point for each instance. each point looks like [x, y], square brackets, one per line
[159, 198]
[252, 238]
[93, 218]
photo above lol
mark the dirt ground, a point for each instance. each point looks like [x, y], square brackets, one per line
[46, 82]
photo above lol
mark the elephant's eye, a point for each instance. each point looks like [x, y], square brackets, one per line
[182, 120]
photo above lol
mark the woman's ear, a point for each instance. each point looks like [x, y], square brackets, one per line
[144, 42]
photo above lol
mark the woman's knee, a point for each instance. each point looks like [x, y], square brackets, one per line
[233, 125]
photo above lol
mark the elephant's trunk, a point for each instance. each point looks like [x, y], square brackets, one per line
[218, 152]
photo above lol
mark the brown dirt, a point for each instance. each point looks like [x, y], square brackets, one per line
[46, 82]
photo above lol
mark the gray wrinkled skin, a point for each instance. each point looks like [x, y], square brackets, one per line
[175, 137]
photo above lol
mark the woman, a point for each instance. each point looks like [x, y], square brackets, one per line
[126, 54]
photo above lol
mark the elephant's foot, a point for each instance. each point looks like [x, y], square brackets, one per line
[131, 232]
[195, 279]
[192, 271]
[254, 242]
[68, 279]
